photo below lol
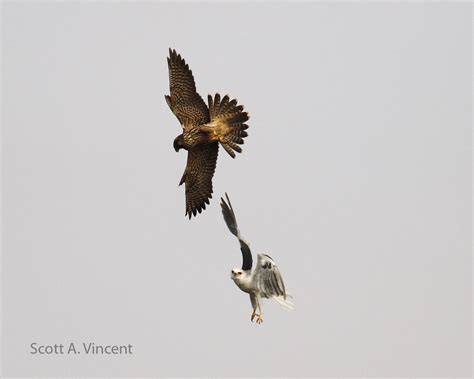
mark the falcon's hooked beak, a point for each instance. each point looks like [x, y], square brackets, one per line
[178, 143]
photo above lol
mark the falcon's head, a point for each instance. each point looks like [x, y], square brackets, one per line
[178, 143]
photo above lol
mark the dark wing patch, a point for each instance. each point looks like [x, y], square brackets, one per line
[198, 177]
[187, 105]
[231, 221]
[270, 281]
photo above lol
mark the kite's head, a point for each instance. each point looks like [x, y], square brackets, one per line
[238, 275]
[178, 143]
[242, 278]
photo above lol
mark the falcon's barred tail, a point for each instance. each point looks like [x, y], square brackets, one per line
[228, 122]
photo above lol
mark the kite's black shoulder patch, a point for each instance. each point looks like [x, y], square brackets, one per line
[267, 265]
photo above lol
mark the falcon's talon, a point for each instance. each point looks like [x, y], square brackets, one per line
[259, 319]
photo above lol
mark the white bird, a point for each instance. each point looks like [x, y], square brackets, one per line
[265, 281]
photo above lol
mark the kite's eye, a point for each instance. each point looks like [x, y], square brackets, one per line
[239, 273]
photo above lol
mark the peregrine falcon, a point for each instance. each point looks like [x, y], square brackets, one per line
[222, 122]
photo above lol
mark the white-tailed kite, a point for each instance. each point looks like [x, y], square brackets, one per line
[265, 281]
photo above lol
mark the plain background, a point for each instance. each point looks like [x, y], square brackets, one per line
[355, 177]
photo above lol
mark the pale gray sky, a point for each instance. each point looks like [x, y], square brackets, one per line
[355, 178]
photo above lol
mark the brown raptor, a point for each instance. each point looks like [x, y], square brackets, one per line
[222, 122]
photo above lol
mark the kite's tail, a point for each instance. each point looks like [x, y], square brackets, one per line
[228, 122]
[287, 304]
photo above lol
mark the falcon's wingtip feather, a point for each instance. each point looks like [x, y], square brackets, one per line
[172, 51]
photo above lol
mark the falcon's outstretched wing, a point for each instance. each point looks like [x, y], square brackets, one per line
[231, 221]
[268, 278]
[187, 105]
[198, 177]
